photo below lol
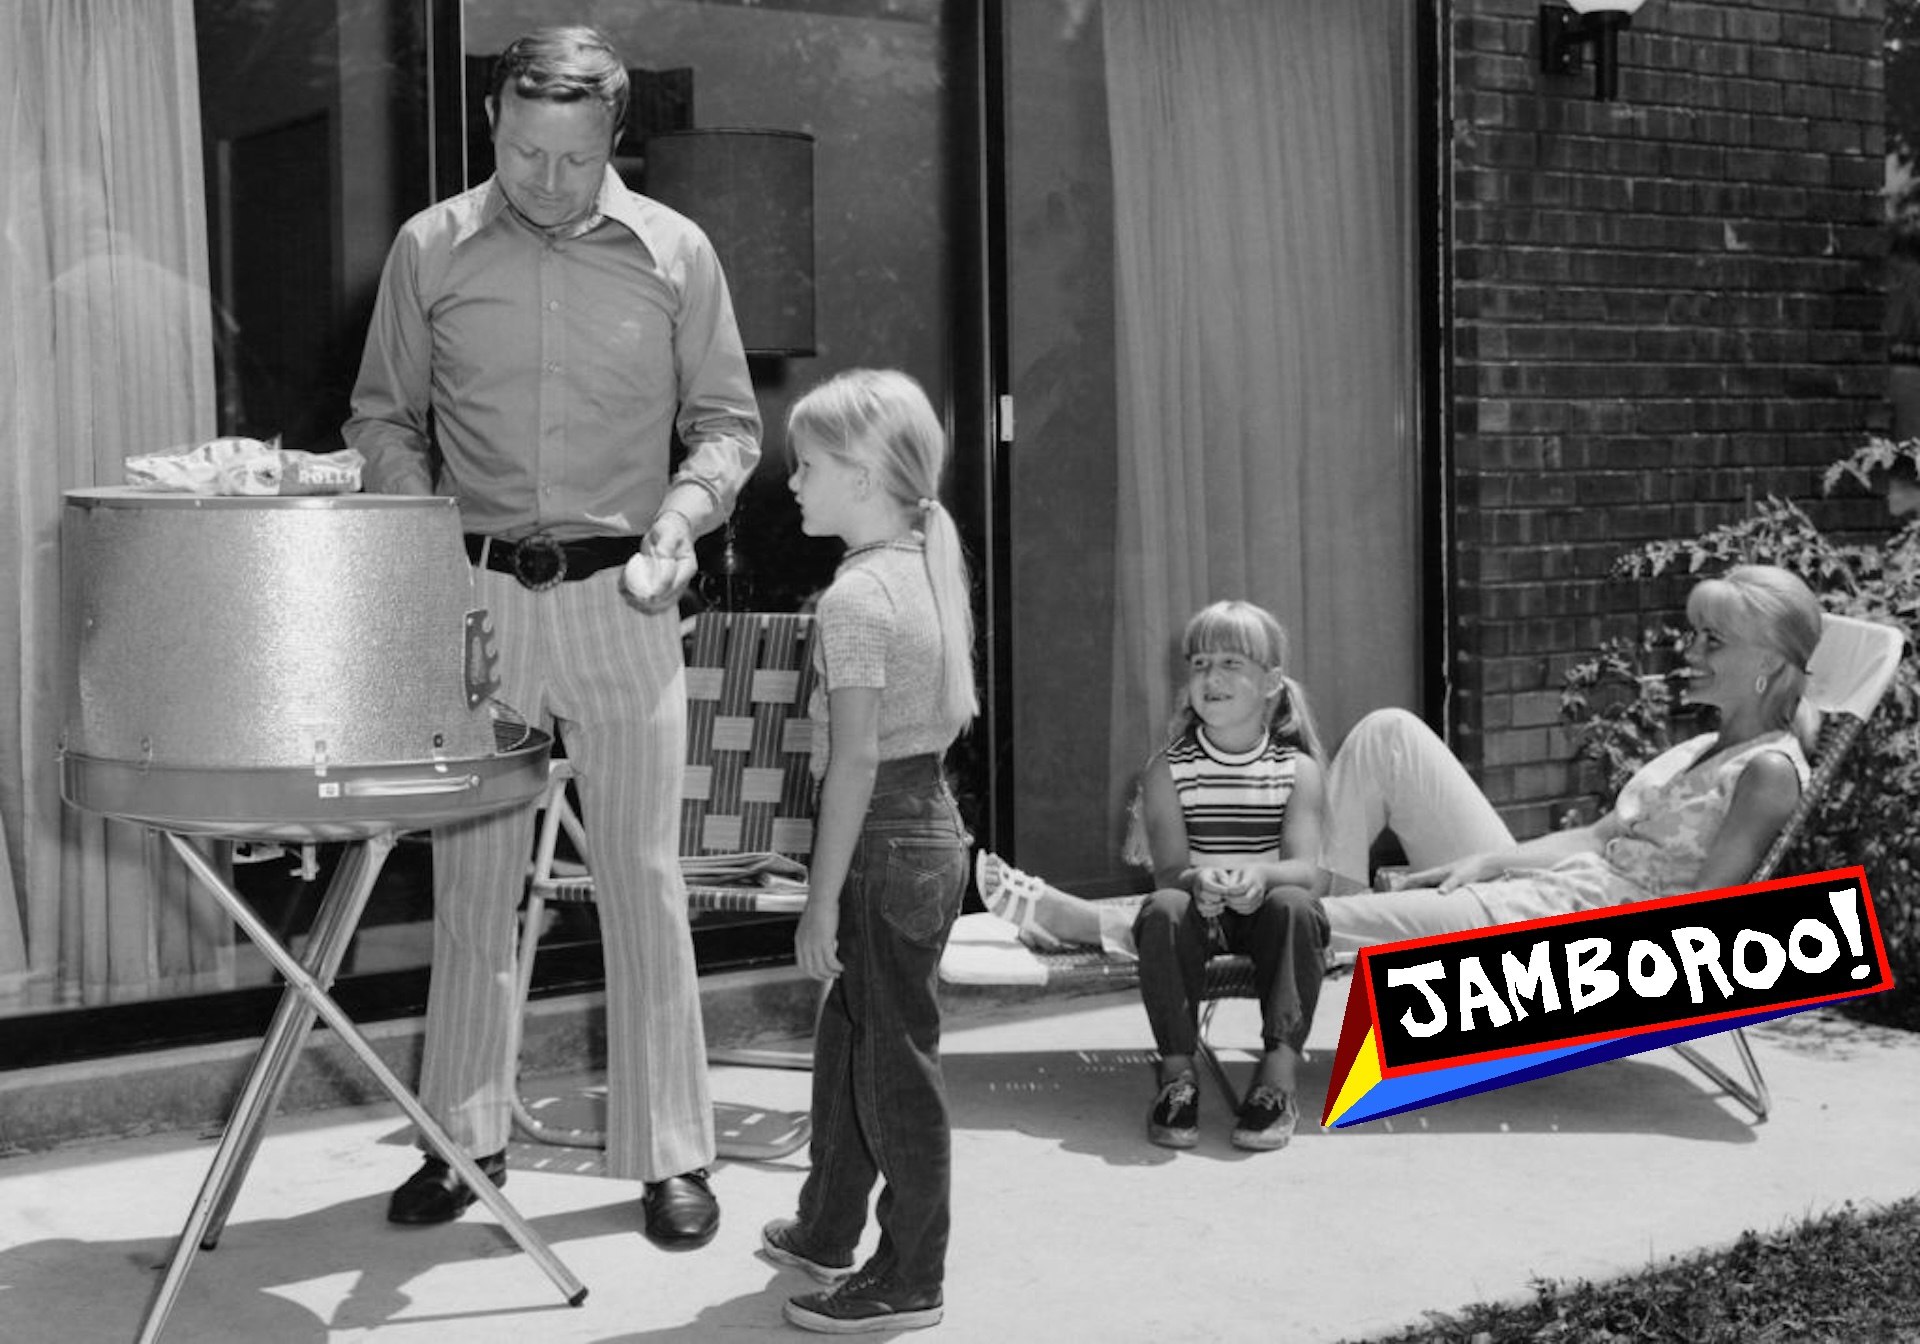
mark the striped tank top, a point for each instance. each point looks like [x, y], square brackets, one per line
[1234, 803]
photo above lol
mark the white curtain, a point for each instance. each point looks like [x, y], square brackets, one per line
[1265, 208]
[106, 350]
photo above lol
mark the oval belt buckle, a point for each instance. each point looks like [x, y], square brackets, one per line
[539, 562]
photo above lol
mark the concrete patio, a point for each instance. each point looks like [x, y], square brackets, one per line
[1068, 1225]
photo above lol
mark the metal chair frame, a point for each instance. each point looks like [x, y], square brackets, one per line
[1229, 975]
[747, 791]
[1860, 658]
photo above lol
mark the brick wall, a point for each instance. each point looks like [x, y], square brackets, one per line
[1664, 306]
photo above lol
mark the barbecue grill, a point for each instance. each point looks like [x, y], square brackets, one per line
[296, 669]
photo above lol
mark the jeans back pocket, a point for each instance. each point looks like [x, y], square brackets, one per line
[921, 885]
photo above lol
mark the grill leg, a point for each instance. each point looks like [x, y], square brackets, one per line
[332, 934]
[241, 1136]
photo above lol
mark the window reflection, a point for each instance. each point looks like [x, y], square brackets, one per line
[315, 125]
[321, 128]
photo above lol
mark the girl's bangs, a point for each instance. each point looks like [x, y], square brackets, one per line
[824, 428]
[1230, 631]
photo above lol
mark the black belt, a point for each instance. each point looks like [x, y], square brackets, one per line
[541, 561]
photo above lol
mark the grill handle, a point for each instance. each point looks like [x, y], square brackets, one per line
[409, 788]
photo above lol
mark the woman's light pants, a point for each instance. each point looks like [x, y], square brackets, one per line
[1394, 772]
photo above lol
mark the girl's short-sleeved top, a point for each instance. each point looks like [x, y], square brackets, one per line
[1234, 803]
[876, 627]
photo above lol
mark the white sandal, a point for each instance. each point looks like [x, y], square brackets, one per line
[1014, 896]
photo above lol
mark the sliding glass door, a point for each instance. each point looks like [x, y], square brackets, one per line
[1213, 227]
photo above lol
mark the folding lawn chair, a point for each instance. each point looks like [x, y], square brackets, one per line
[984, 950]
[746, 825]
[1850, 672]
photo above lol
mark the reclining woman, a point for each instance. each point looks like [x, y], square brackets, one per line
[1700, 815]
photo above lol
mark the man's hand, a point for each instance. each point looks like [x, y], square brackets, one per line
[671, 539]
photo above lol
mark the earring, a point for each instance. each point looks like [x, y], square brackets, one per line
[1760, 684]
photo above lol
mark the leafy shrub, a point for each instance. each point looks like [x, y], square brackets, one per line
[1620, 702]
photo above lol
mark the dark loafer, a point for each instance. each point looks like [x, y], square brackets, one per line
[681, 1212]
[434, 1194]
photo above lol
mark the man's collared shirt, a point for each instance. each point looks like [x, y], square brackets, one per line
[555, 369]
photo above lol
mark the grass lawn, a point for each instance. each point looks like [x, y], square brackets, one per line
[1849, 1277]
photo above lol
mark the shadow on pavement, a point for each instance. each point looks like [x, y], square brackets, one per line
[1095, 1102]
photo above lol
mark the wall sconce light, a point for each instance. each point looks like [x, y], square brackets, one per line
[1563, 31]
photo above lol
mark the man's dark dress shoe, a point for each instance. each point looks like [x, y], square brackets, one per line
[434, 1194]
[682, 1213]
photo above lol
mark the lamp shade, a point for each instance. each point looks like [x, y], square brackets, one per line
[752, 192]
[1604, 6]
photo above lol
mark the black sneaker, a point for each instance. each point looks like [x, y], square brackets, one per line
[1266, 1120]
[864, 1302]
[1174, 1121]
[780, 1244]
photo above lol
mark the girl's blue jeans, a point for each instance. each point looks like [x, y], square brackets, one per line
[879, 1102]
[1286, 937]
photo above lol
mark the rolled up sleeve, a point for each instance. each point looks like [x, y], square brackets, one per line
[719, 419]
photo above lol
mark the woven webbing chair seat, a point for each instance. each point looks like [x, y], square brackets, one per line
[747, 789]
[746, 823]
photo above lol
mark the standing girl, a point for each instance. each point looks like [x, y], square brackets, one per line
[893, 648]
[1230, 814]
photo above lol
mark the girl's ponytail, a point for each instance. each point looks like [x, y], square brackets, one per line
[1292, 719]
[947, 573]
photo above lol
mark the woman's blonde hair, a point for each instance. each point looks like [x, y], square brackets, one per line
[881, 419]
[1772, 609]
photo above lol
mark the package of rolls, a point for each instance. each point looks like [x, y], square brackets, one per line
[241, 466]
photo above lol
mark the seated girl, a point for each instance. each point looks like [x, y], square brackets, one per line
[1230, 812]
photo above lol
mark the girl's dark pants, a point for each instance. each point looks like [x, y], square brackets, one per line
[879, 1102]
[1286, 937]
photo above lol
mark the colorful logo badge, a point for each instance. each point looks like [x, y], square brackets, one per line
[1436, 1018]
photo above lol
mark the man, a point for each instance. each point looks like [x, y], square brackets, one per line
[540, 337]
